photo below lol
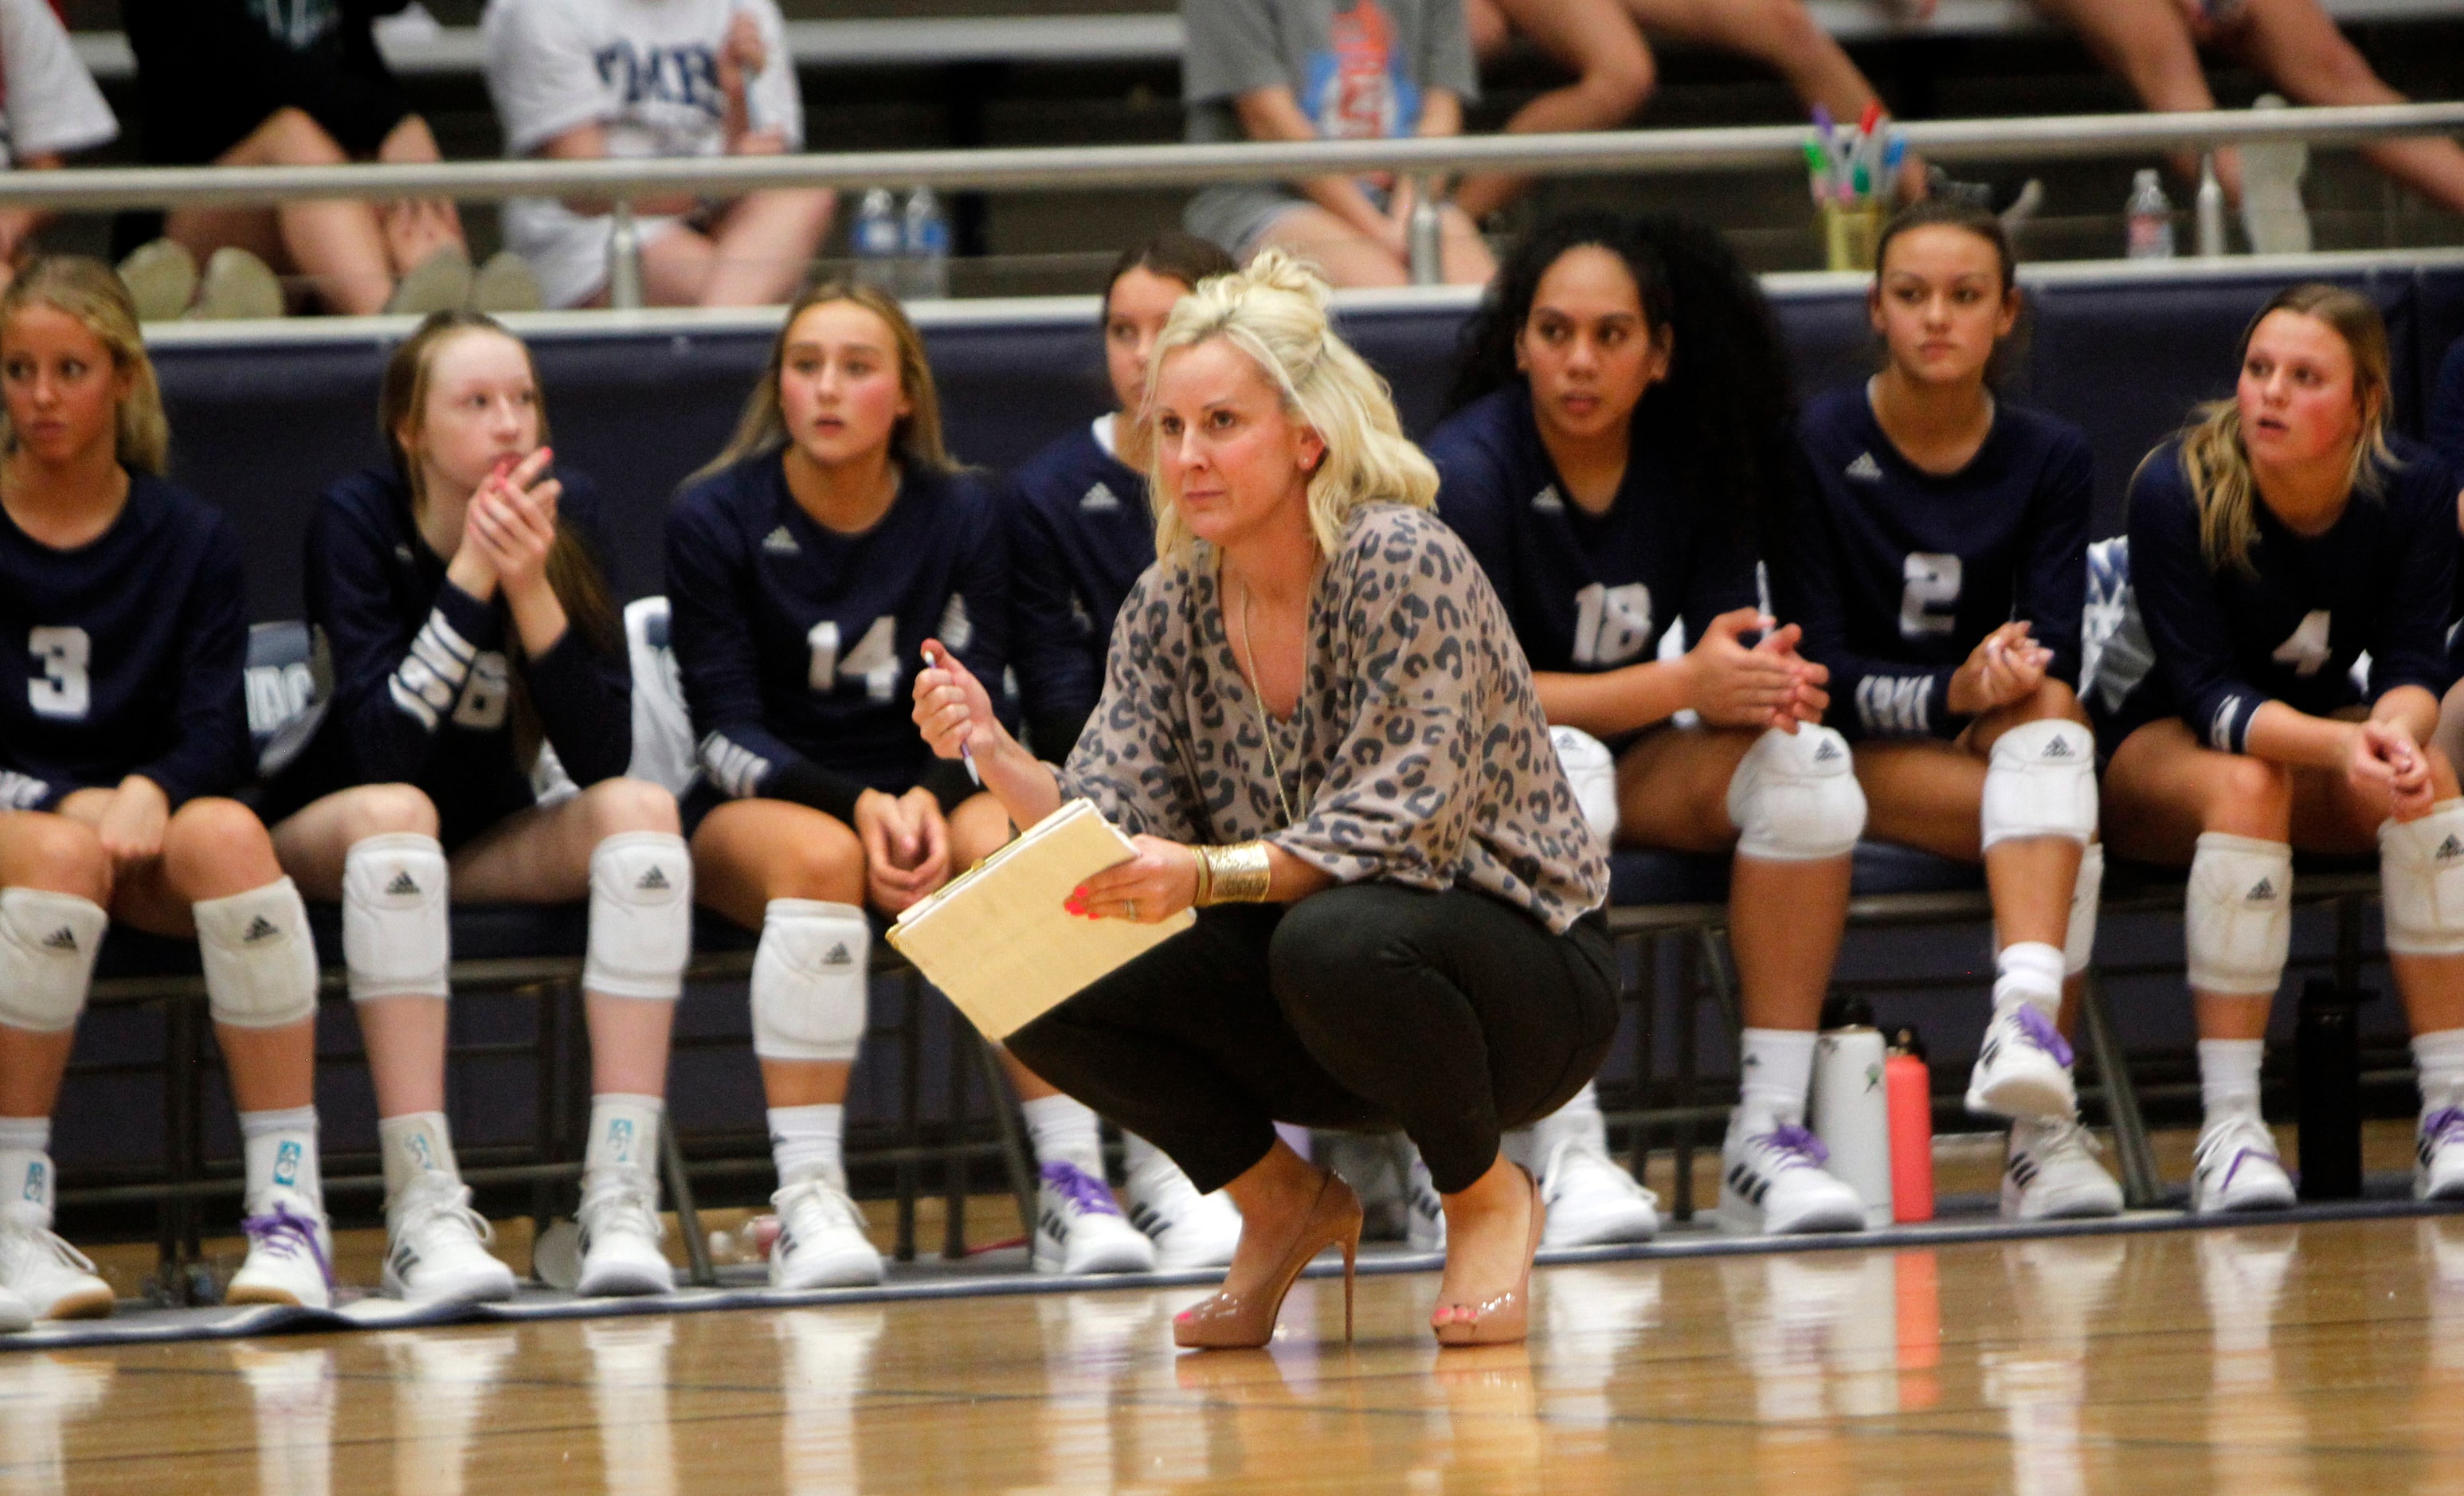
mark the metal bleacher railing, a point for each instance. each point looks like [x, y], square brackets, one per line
[1674, 1107]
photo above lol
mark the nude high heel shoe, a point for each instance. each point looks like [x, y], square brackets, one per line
[1243, 1321]
[1507, 1317]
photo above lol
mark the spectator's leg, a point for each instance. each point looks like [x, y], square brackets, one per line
[1484, 22]
[675, 267]
[1348, 257]
[416, 229]
[764, 247]
[2295, 43]
[336, 243]
[1599, 44]
[2149, 42]
[1465, 253]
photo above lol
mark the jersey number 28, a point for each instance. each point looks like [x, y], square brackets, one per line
[63, 688]
[874, 660]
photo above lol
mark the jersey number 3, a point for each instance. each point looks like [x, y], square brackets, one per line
[874, 660]
[63, 688]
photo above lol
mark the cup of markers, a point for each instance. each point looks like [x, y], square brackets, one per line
[1850, 174]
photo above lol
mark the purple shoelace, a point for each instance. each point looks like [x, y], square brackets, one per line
[1790, 1138]
[285, 1230]
[2441, 1126]
[2042, 1033]
[1092, 1197]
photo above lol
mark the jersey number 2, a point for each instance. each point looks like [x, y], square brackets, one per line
[62, 689]
[1931, 596]
[874, 660]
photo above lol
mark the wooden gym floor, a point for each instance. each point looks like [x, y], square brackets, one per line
[2324, 1355]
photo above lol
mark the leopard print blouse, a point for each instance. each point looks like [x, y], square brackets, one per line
[1417, 753]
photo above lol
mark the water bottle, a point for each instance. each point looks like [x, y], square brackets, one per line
[2210, 211]
[1910, 1084]
[2327, 1075]
[927, 247]
[2150, 218]
[878, 242]
[1849, 1108]
[749, 1242]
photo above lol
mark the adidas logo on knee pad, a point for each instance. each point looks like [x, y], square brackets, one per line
[2263, 890]
[258, 929]
[2449, 850]
[1826, 752]
[839, 955]
[2058, 748]
[61, 939]
[652, 882]
[403, 886]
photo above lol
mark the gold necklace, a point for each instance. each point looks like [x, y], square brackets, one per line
[1257, 684]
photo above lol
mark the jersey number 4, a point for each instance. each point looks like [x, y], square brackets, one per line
[1931, 598]
[874, 660]
[62, 688]
[2307, 648]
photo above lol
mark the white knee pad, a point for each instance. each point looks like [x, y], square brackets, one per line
[809, 979]
[2238, 914]
[1795, 796]
[47, 947]
[2087, 896]
[260, 961]
[397, 933]
[1590, 770]
[2421, 880]
[2042, 782]
[641, 916]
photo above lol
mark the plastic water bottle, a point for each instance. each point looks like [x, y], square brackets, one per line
[878, 242]
[927, 247]
[1849, 1108]
[749, 1242]
[2211, 212]
[2150, 218]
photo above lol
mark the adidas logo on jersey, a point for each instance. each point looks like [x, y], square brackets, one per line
[778, 543]
[652, 882]
[1864, 470]
[258, 929]
[65, 940]
[401, 554]
[1099, 501]
[1547, 502]
[839, 955]
[2263, 890]
[2449, 850]
[403, 886]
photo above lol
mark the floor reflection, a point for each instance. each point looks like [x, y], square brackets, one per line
[41, 1397]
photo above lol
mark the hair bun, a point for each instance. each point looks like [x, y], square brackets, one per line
[1280, 270]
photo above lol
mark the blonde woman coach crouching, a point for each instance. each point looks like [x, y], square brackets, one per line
[1318, 726]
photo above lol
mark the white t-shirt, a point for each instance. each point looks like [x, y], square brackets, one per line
[50, 104]
[645, 68]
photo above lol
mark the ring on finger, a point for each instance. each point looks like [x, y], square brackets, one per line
[1130, 908]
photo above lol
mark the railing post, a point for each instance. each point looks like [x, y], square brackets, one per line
[624, 260]
[1426, 230]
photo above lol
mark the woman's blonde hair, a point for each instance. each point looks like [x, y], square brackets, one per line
[1274, 311]
[2218, 465]
[91, 291]
[916, 440]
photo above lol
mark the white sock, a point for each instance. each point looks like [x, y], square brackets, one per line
[1064, 1130]
[280, 1148]
[2228, 1077]
[1136, 1153]
[624, 1134]
[26, 1170]
[1776, 1070]
[807, 1143]
[414, 1146]
[2440, 1058]
[1578, 1119]
[2031, 972]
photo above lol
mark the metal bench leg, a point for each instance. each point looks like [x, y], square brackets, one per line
[2141, 1186]
[911, 1124]
[672, 1163]
[1013, 1145]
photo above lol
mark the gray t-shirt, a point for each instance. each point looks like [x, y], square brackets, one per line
[1359, 71]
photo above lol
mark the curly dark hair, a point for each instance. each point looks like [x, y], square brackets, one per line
[1724, 416]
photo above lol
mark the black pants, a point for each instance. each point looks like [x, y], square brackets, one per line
[1451, 1015]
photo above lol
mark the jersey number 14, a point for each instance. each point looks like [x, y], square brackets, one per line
[873, 660]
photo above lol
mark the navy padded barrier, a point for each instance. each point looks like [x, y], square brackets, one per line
[1638, 877]
[261, 430]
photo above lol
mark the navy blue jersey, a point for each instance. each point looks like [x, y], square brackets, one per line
[2379, 579]
[123, 656]
[1585, 592]
[799, 644]
[1080, 535]
[422, 689]
[1896, 573]
[2444, 429]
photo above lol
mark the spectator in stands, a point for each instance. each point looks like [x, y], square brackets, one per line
[122, 735]
[1619, 435]
[2154, 45]
[1938, 561]
[1080, 534]
[2272, 541]
[1300, 70]
[49, 108]
[476, 657]
[1420, 943]
[586, 80]
[235, 83]
[1601, 43]
[807, 567]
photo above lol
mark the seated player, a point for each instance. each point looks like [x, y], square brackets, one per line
[2280, 536]
[476, 654]
[1080, 534]
[123, 733]
[1618, 431]
[1939, 564]
[806, 567]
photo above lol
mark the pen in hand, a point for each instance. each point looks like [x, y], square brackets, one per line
[967, 753]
